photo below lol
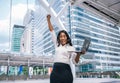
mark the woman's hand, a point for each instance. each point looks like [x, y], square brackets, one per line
[82, 52]
[49, 22]
[78, 55]
[48, 17]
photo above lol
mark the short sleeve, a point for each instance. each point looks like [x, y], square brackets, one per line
[54, 38]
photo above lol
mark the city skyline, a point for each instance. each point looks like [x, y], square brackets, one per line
[19, 8]
[33, 47]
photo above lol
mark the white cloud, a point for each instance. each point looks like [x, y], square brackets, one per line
[18, 12]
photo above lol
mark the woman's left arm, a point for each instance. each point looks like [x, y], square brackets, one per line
[75, 56]
[78, 56]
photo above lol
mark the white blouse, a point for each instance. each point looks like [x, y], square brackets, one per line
[64, 53]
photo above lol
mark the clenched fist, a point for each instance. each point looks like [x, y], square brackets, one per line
[48, 17]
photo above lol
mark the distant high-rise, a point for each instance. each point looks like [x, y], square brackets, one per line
[27, 39]
[16, 38]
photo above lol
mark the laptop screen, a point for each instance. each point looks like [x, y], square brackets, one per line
[86, 44]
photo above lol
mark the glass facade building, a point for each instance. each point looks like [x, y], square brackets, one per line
[42, 40]
[104, 51]
[27, 39]
[41, 37]
[16, 37]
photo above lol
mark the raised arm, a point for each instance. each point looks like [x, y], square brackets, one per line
[49, 23]
[54, 38]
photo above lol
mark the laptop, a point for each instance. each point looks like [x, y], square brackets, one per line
[85, 45]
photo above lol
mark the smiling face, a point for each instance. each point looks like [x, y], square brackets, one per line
[63, 38]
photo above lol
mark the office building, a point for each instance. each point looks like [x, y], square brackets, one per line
[104, 51]
[16, 37]
[27, 39]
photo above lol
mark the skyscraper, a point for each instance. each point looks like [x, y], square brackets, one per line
[40, 38]
[16, 37]
[104, 51]
[27, 39]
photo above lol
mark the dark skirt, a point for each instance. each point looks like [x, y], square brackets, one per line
[61, 73]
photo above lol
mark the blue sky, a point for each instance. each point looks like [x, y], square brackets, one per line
[19, 8]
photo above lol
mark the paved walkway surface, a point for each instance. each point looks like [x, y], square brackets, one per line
[77, 80]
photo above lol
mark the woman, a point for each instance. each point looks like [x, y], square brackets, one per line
[61, 70]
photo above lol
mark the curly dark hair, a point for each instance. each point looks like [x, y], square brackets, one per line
[68, 38]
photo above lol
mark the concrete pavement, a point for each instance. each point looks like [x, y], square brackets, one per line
[77, 80]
